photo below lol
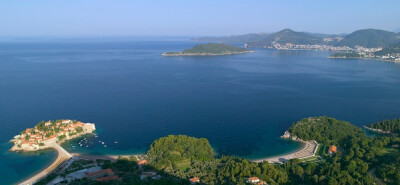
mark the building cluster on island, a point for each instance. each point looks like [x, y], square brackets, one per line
[46, 134]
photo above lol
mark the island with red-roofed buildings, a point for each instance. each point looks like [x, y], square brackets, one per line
[46, 134]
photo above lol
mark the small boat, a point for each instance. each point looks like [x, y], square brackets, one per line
[102, 143]
[80, 145]
[105, 145]
[115, 142]
[87, 146]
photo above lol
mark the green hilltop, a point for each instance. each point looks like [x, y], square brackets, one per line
[324, 129]
[370, 38]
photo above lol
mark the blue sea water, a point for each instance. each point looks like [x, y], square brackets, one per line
[240, 103]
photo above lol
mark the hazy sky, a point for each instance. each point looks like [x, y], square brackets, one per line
[185, 17]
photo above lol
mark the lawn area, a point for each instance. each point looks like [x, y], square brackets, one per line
[311, 159]
[322, 150]
[183, 165]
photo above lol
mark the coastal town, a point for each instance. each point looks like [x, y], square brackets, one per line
[47, 134]
[342, 51]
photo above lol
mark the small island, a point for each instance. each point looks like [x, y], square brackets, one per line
[48, 134]
[210, 49]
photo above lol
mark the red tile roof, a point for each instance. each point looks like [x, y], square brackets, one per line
[194, 179]
[108, 171]
[333, 149]
[142, 162]
[253, 178]
[102, 179]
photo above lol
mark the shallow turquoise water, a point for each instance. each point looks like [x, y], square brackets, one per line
[240, 103]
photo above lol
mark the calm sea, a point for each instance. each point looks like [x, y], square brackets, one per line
[240, 103]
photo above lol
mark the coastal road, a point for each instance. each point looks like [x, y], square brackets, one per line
[62, 156]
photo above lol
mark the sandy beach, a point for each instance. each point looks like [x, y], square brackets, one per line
[309, 149]
[62, 156]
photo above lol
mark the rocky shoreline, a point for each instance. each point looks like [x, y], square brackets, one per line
[377, 130]
[288, 135]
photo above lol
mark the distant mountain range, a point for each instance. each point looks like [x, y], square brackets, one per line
[287, 36]
[235, 39]
[370, 38]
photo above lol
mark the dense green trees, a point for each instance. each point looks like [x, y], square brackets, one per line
[387, 125]
[325, 130]
[178, 151]
[346, 55]
[79, 129]
[370, 38]
[177, 158]
[214, 48]
[211, 48]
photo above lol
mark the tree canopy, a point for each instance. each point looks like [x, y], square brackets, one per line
[387, 125]
[175, 150]
[324, 129]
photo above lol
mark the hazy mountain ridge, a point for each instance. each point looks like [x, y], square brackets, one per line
[287, 36]
[235, 39]
[369, 38]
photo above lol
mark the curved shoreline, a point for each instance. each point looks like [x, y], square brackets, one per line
[308, 150]
[62, 156]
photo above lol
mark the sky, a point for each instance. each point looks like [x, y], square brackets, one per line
[192, 18]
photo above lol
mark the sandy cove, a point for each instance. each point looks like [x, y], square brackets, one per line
[62, 156]
[309, 149]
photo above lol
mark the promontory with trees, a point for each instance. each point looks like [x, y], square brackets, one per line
[210, 49]
[346, 156]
